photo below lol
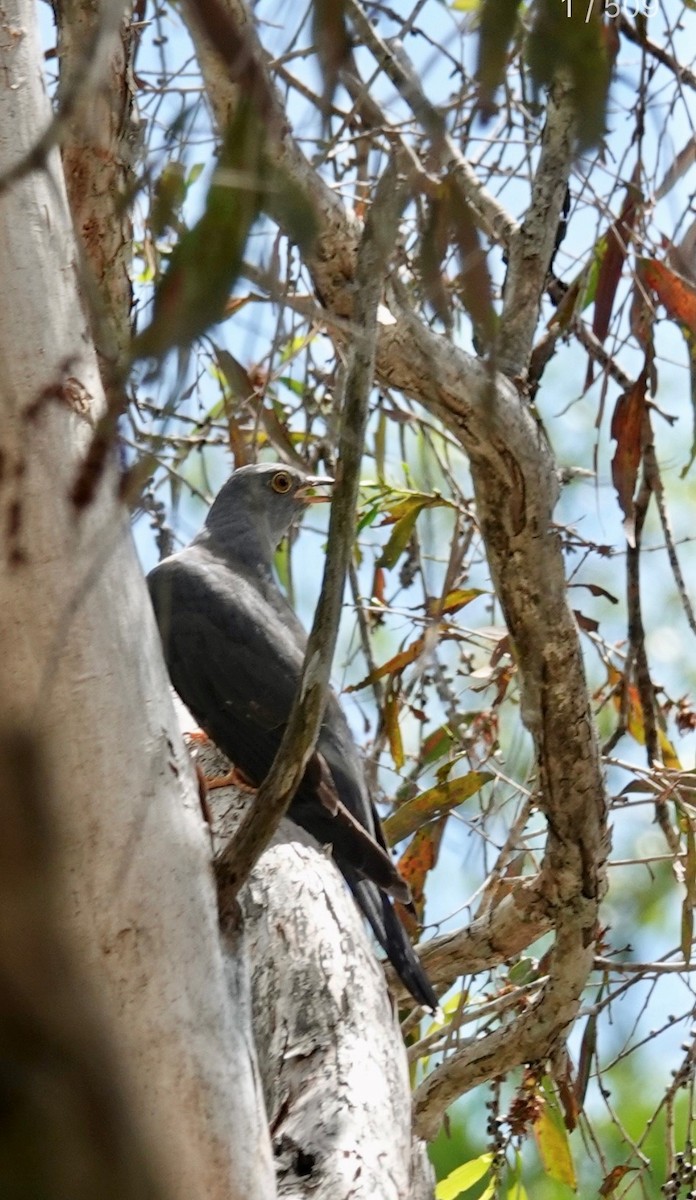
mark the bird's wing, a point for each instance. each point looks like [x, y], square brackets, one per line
[229, 657]
[236, 663]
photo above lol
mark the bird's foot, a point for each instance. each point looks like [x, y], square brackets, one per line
[232, 778]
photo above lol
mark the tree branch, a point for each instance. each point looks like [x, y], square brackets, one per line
[504, 931]
[531, 247]
[69, 1115]
[97, 147]
[683, 74]
[487, 210]
[313, 968]
[516, 489]
[138, 892]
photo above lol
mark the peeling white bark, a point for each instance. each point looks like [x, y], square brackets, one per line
[79, 644]
[331, 1055]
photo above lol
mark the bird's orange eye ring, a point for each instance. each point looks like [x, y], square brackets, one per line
[281, 482]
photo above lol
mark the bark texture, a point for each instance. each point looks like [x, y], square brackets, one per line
[331, 1055]
[66, 1130]
[135, 856]
[98, 147]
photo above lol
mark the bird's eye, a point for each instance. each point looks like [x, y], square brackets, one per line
[281, 482]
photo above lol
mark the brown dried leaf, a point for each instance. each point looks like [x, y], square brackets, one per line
[618, 241]
[627, 429]
[613, 1179]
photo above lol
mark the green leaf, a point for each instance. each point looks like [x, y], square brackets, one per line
[206, 261]
[390, 717]
[436, 744]
[497, 28]
[564, 38]
[194, 174]
[168, 198]
[401, 535]
[293, 385]
[235, 375]
[368, 518]
[463, 1177]
[380, 444]
[687, 921]
[523, 971]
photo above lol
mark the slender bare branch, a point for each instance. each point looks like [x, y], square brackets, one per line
[532, 246]
[280, 785]
[488, 211]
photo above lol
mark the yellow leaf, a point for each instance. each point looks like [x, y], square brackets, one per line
[435, 802]
[554, 1148]
[463, 1177]
[397, 663]
[635, 723]
[453, 601]
[391, 725]
[670, 757]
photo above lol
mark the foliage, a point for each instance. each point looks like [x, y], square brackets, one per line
[430, 674]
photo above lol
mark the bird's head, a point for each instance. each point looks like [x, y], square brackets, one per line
[256, 507]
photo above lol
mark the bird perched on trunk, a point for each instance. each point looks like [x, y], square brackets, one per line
[235, 648]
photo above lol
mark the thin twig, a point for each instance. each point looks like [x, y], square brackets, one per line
[682, 73]
[279, 786]
[488, 211]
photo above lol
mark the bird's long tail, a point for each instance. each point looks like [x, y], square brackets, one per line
[392, 937]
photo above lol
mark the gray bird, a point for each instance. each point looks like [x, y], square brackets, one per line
[234, 649]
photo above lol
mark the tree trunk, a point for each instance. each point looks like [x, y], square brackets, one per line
[135, 854]
[80, 647]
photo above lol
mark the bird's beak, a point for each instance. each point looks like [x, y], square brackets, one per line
[307, 492]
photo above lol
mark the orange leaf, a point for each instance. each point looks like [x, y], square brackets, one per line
[419, 858]
[378, 586]
[397, 663]
[613, 1179]
[627, 429]
[677, 295]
